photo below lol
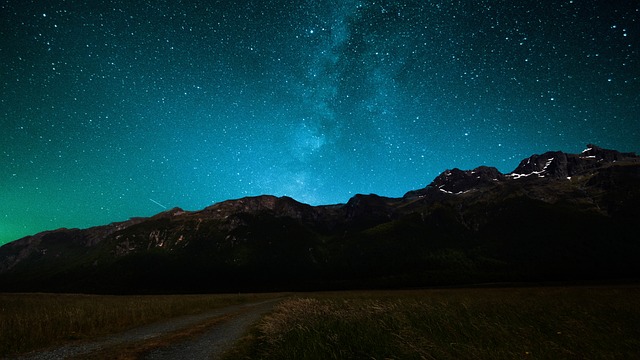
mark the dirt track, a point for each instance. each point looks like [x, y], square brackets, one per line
[202, 336]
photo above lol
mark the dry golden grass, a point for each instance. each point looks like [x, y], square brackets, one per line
[532, 323]
[36, 321]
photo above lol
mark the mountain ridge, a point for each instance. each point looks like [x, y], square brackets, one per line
[460, 228]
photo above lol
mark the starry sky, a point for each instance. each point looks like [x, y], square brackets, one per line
[111, 109]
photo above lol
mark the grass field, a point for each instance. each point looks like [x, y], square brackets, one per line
[36, 321]
[510, 323]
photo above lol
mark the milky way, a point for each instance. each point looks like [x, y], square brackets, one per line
[114, 109]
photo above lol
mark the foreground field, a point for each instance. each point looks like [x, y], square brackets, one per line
[529, 323]
[37, 321]
[510, 323]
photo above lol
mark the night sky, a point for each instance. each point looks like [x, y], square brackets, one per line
[115, 109]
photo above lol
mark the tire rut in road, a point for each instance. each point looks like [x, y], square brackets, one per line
[215, 341]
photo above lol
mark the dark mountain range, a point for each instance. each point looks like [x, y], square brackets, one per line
[556, 217]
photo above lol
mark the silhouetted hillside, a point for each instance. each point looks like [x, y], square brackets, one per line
[556, 217]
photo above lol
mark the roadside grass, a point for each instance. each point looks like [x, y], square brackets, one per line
[36, 321]
[507, 323]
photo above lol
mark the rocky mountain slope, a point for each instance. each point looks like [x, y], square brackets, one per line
[556, 217]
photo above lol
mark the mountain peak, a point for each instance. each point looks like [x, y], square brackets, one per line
[598, 153]
[262, 203]
[551, 164]
[456, 181]
[557, 164]
[176, 211]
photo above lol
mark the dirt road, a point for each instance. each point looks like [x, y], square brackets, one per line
[202, 336]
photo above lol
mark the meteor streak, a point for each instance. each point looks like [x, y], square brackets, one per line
[157, 203]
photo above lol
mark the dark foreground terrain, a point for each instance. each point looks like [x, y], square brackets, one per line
[585, 322]
[61, 326]
[508, 323]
